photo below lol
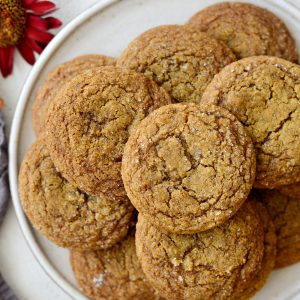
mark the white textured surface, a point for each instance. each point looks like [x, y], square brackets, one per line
[17, 264]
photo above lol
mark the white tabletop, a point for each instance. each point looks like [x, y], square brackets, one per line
[17, 264]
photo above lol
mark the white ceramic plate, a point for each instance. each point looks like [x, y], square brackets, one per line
[107, 28]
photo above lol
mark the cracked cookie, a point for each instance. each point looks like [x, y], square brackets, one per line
[215, 264]
[89, 123]
[290, 190]
[180, 59]
[64, 214]
[285, 212]
[269, 252]
[112, 274]
[188, 167]
[264, 94]
[57, 79]
[248, 30]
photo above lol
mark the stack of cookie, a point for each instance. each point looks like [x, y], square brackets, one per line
[196, 127]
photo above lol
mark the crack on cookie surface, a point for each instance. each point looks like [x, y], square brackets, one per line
[57, 79]
[181, 60]
[186, 165]
[285, 213]
[89, 123]
[202, 261]
[122, 275]
[246, 29]
[264, 94]
[62, 212]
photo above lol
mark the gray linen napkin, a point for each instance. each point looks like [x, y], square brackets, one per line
[4, 191]
[5, 292]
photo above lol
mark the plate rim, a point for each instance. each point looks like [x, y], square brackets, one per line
[26, 227]
[24, 224]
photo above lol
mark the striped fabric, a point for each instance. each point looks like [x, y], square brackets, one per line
[4, 191]
[5, 292]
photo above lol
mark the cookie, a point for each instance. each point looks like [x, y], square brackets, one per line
[188, 167]
[215, 264]
[64, 214]
[269, 254]
[89, 123]
[285, 212]
[248, 30]
[180, 59]
[112, 274]
[290, 190]
[57, 79]
[264, 94]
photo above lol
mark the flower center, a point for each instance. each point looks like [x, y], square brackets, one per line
[12, 22]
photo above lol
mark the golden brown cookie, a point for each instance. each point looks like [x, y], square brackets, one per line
[269, 254]
[180, 59]
[90, 120]
[188, 167]
[264, 94]
[290, 190]
[248, 30]
[57, 79]
[285, 212]
[113, 274]
[215, 264]
[64, 214]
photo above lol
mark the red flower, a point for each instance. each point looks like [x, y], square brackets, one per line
[23, 25]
